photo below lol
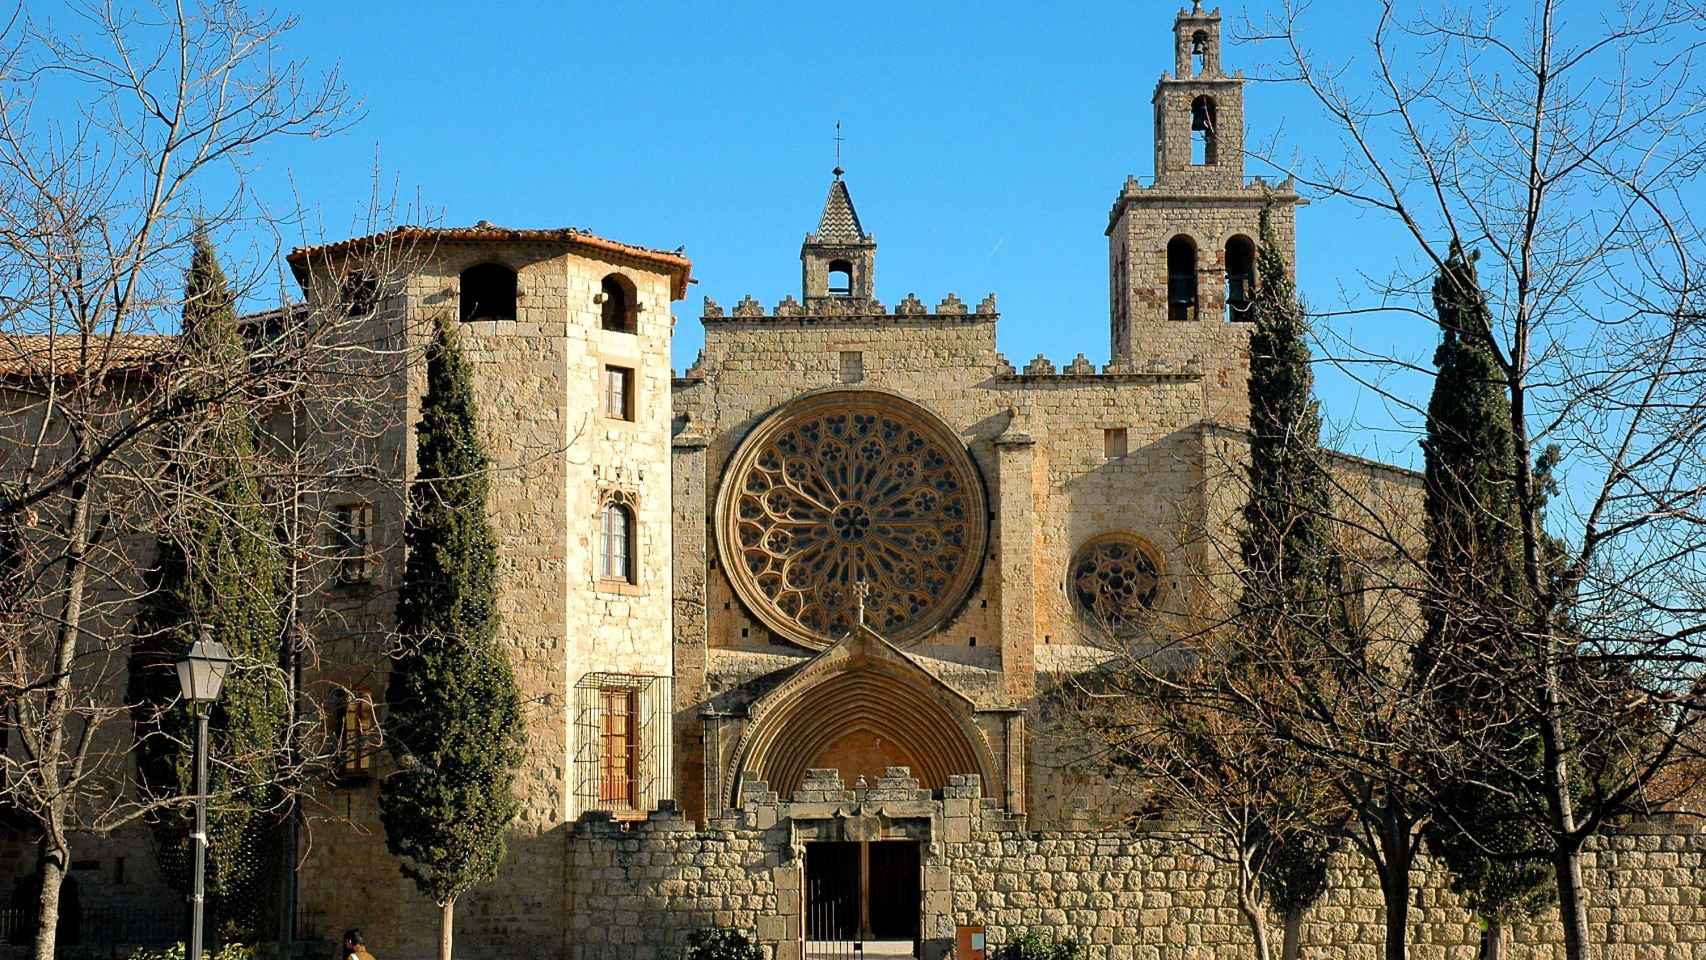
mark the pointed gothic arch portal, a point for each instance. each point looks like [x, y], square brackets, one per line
[859, 707]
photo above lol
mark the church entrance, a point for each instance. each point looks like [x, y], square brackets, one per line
[865, 892]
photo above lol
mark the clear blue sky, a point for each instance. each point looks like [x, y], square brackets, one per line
[984, 145]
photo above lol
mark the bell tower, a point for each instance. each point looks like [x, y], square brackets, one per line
[838, 262]
[1199, 110]
[1182, 248]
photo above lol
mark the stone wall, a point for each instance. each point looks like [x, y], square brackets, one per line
[1133, 895]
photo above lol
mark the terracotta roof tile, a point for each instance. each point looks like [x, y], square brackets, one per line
[675, 263]
[36, 355]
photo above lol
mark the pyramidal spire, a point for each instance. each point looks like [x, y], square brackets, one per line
[840, 222]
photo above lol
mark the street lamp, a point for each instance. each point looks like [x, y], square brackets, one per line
[201, 673]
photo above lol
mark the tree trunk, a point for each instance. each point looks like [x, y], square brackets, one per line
[446, 924]
[1572, 903]
[1250, 906]
[54, 718]
[1293, 934]
[1492, 941]
[47, 905]
[1396, 852]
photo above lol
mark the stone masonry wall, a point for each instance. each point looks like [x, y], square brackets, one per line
[1130, 895]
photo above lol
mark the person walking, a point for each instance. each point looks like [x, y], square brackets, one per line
[354, 948]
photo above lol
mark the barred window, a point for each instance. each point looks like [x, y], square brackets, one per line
[352, 541]
[622, 754]
[358, 735]
[617, 537]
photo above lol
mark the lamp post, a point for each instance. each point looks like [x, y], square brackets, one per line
[201, 673]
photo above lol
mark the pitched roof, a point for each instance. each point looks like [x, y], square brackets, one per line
[840, 222]
[35, 355]
[676, 264]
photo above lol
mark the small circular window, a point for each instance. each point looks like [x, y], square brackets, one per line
[1115, 580]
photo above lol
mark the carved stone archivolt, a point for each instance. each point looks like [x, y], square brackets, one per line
[848, 487]
[1115, 580]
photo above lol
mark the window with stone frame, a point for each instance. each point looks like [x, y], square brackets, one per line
[352, 542]
[616, 539]
[618, 392]
[1205, 148]
[357, 735]
[1181, 278]
[488, 291]
[841, 278]
[617, 304]
[1240, 278]
[1113, 443]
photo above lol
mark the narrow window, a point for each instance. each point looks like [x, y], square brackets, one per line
[1240, 277]
[352, 542]
[617, 306]
[617, 757]
[619, 393]
[852, 366]
[1204, 149]
[1199, 52]
[1181, 278]
[840, 278]
[616, 559]
[357, 735]
[488, 292]
[1114, 443]
[360, 293]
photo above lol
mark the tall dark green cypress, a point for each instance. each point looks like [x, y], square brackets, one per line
[1292, 573]
[1467, 665]
[217, 568]
[454, 721]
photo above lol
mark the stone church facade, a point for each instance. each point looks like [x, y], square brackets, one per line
[786, 622]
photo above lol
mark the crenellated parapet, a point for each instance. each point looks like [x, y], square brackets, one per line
[950, 309]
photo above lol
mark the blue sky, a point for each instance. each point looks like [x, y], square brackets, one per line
[984, 145]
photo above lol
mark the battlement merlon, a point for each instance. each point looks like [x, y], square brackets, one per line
[950, 310]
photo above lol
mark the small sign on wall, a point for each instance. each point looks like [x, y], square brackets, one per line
[970, 943]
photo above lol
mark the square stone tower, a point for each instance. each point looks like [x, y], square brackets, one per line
[1181, 250]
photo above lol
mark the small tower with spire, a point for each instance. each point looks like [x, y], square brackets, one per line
[838, 261]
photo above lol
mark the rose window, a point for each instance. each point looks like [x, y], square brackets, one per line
[847, 488]
[1115, 579]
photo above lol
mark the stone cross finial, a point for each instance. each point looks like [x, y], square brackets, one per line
[862, 590]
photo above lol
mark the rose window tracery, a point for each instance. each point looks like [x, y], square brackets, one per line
[1115, 579]
[844, 488]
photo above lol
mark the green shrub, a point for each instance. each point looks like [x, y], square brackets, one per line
[231, 951]
[1032, 945]
[720, 943]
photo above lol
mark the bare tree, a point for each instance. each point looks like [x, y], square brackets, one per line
[1561, 145]
[170, 106]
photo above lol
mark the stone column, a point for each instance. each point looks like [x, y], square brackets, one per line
[1015, 572]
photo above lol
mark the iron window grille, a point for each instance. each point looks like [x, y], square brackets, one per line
[623, 733]
[352, 533]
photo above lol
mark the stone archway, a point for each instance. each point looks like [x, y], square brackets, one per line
[859, 707]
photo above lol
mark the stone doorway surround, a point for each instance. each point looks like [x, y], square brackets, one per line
[862, 684]
[824, 810]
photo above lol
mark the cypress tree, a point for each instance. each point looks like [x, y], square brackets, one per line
[1467, 664]
[216, 569]
[1291, 590]
[455, 713]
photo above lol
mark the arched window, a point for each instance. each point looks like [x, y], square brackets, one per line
[1240, 277]
[1199, 52]
[1204, 149]
[616, 559]
[617, 309]
[1181, 278]
[488, 292]
[840, 278]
